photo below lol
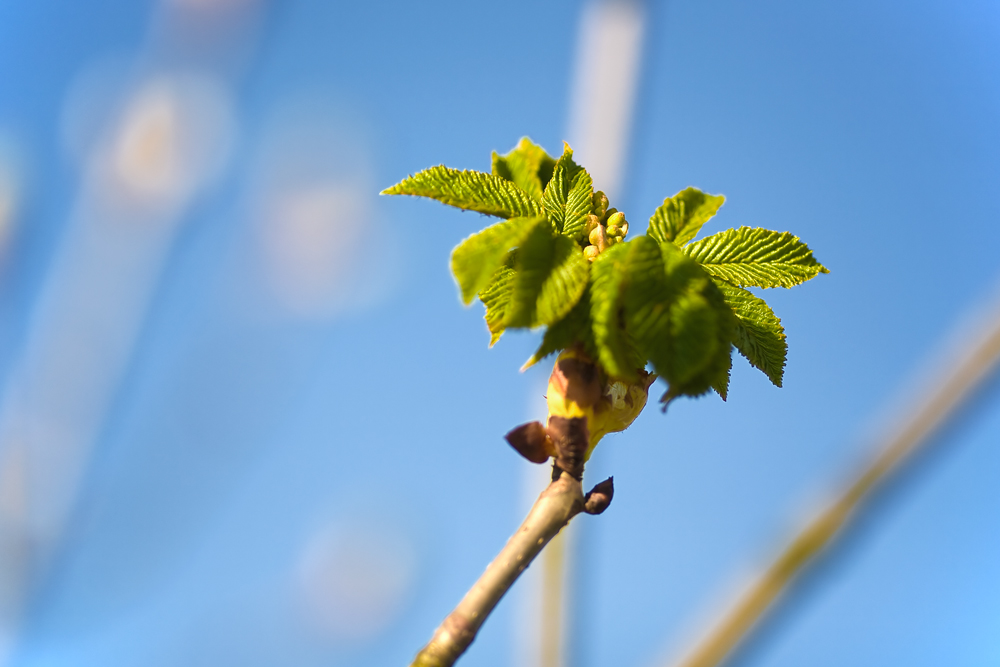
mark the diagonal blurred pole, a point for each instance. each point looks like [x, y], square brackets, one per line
[602, 101]
[966, 372]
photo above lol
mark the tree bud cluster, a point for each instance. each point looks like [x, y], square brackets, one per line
[605, 227]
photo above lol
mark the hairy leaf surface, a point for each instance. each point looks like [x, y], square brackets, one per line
[469, 190]
[680, 217]
[759, 335]
[754, 257]
[611, 282]
[551, 276]
[527, 165]
[477, 258]
[567, 197]
[680, 323]
[496, 298]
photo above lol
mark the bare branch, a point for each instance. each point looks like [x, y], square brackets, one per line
[557, 504]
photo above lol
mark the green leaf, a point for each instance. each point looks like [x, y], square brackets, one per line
[721, 381]
[527, 165]
[496, 298]
[672, 320]
[568, 196]
[754, 257]
[609, 286]
[477, 258]
[680, 217]
[469, 190]
[759, 335]
[551, 276]
[575, 328]
[671, 313]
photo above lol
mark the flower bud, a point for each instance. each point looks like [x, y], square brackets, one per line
[599, 238]
[625, 228]
[617, 219]
[599, 203]
[607, 214]
[591, 252]
[592, 223]
[614, 230]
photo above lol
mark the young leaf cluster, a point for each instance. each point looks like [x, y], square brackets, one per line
[662, 298]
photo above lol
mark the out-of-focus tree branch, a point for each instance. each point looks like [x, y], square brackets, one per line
[973, 365]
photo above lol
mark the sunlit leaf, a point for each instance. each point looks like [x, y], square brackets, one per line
[478, 257]
[679, 218]
[551, 276]
[754, 257]
[470, 191]
[527, 165]
[567, 198]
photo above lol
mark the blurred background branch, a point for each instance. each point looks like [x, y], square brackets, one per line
[971, 365]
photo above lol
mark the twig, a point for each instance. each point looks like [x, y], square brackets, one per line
[558, 503]
[940, 404]
[576, 403]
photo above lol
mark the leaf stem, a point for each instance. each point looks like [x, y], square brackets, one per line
[556, 506]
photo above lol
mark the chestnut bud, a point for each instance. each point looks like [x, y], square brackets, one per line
[599, 202]
[599, 238]
[617, 219]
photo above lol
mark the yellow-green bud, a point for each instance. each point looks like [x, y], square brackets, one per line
[607, 214]
[617, 219]
[592, 223]
[599, 238]
[614, 230]
[625, 228]
[591, 252]
[600, 203]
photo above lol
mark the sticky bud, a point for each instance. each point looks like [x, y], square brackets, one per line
[614, 230]
[591, 252]
[607, 214]
[593, 222]
[600, 203]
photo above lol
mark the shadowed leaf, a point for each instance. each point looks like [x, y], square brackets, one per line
[496, 298]
[759, 334]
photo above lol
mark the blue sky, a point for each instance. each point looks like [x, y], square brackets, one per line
[268, 410]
